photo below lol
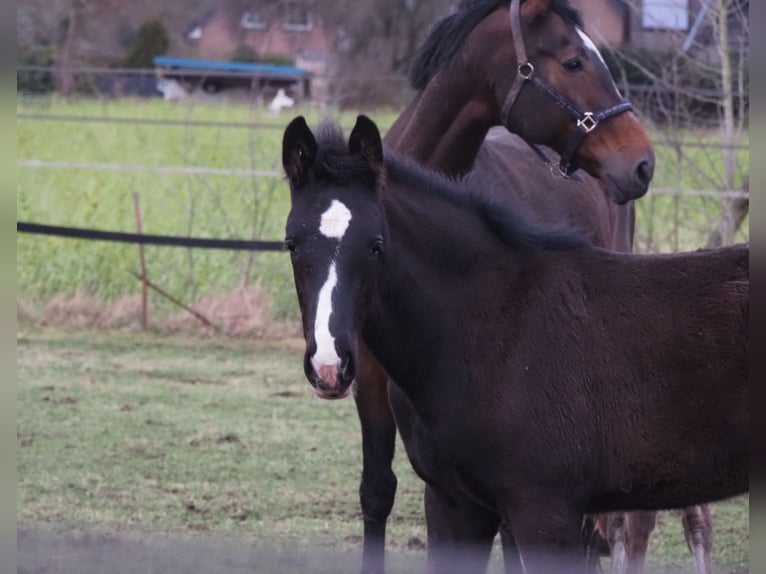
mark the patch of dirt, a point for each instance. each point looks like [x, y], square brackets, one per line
[66, 400]
[231, 437]
[174, 378]
[416, 543]
[78, 311]
[24, 439]
[24, 313]
[192, 507]
[287, 394]
[240, 312]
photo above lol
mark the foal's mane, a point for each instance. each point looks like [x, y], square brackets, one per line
[449, 33]
[334, 164]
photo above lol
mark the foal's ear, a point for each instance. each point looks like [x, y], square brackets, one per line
[365, 141]
[299, 149]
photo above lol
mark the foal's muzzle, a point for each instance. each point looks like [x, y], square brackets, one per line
[331, 381]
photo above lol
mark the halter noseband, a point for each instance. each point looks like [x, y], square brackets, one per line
[586, 121]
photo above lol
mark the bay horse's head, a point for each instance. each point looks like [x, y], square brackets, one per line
[546, 81]
[335, 234]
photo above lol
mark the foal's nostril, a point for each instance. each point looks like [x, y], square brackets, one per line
[347, 368]
[644, 173]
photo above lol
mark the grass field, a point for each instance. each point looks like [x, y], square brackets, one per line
[139, 435]
[225, 206]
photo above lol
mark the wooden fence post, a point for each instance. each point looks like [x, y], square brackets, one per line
[144, 286]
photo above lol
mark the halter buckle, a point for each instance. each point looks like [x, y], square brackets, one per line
[526, 70]
[587, 123]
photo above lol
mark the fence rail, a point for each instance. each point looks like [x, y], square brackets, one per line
[144, 239]
[198, 170]
[162, 169]
[80, 159]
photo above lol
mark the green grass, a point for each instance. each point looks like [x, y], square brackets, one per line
[173, 435]
[205, 206]
[147, 435]
[223, 206]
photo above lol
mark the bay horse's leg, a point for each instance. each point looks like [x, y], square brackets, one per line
[595, 531]
[548, 533]
[639, 526]
[618, 541]
[698, 531]
[460, 533]
[378, 487]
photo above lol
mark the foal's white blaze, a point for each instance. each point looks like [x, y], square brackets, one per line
[335, 220]
[325, 353]
[333, 224]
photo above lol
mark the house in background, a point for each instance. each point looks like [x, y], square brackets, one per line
[606, 21]
[663, 25]
[277, 32]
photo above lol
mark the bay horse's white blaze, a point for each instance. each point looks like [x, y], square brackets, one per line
[591, 46]
[333, 224]
[335, 220]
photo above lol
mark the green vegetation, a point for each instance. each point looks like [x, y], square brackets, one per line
[151, 40]
[221, 206]
[226, 206]
[147, 435]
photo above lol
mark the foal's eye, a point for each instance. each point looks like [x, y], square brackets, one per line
[573, 65]
[376, 247]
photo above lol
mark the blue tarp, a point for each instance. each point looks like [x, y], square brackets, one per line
[256, 69]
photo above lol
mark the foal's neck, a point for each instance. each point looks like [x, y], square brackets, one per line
[445, 125]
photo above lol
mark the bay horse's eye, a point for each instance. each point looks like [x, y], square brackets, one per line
[376, 247]
[573, 65]
[290, 246]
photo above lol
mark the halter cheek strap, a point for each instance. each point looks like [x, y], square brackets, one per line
[525, 71]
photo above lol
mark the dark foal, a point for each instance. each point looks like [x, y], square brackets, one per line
[536, 378]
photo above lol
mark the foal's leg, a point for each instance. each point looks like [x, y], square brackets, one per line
[378, 486]
[511, 559]
[698, 531]
[460, 534]
[548, 533]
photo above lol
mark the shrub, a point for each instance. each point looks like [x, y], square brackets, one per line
[151, 40]
[244, 54]
[34, 81]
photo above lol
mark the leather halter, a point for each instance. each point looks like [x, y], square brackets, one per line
[586, 121]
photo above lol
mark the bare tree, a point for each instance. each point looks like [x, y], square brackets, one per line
[732, 57]
[697, 90]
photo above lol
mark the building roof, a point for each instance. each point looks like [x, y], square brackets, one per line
[270, 70]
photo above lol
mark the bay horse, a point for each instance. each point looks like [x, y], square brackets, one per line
[534, 378]
[461, 93]
[529, 67]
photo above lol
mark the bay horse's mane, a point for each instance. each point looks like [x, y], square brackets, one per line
[334, 163]
[449, 33]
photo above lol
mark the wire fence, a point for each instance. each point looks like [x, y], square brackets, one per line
[210, 170]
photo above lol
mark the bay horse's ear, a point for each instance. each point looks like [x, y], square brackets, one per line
[365, 141]
[533, 10]
[299, 149]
